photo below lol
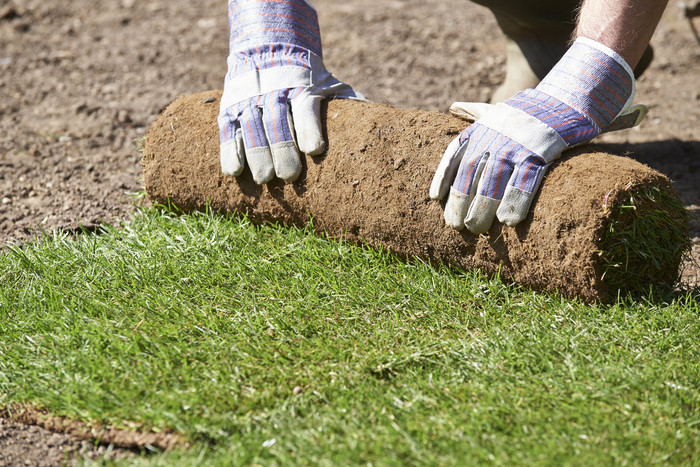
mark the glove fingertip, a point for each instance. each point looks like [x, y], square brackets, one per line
[305, 119]
[470, 111]
[286, 160]
[445, 173]
[481, 214]
[437, 191]
[514, 207]
[456, 209]
[291, 173]
[307, 126]
[263, 176]
[230, 160]
[261, 165]
[311, 143]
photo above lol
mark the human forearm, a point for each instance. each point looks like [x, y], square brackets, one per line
[625, 26]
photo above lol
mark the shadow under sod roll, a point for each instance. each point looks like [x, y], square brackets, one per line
[601, 223]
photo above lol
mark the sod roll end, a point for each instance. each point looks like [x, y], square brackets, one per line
[601, 224]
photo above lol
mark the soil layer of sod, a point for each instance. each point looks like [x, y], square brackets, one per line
[58, 437]
[371, 186]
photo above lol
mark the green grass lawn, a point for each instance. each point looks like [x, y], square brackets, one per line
[271, 345]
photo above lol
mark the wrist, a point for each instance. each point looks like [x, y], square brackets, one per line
[593, 80]
[270, 68]
[270, 55]
[252, 24]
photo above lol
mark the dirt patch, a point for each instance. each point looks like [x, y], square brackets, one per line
[26, 430]
[82, 80]
[30, 445]
[371, 186]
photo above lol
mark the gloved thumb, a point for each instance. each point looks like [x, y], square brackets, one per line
[306, 118]
[470, 111]
[447, 169]
[628, 118]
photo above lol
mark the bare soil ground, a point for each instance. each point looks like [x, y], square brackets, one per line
[82, 80]
[22, 444]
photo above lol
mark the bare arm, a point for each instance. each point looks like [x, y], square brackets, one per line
[626, 26]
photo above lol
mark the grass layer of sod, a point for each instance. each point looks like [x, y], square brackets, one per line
[647, 233]
[272, 345]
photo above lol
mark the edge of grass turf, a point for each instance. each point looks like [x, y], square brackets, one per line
[646, 232]
[28, 414]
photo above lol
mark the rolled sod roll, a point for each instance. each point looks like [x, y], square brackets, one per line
[601, 224]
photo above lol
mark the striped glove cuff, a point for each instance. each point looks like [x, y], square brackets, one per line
[256, 22]
[582, 95]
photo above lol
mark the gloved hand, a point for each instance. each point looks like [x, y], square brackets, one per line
[495, 166]
[273, 89]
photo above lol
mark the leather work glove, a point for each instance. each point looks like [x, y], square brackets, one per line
[270, 108]
[495, 166]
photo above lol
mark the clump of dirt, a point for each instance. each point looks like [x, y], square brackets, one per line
[371, 186]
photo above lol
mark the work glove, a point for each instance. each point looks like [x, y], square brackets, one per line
[271, 105]
[495, 166]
